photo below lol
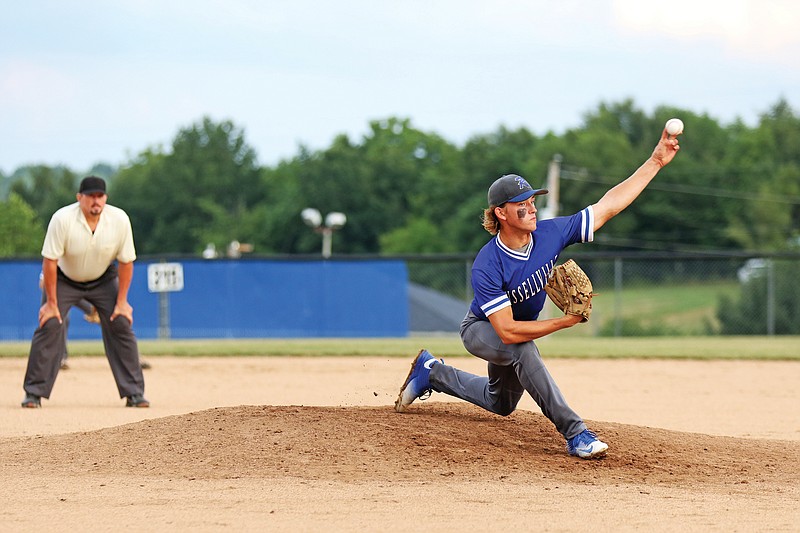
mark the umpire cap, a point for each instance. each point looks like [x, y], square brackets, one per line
[92, 184]
[511, 188]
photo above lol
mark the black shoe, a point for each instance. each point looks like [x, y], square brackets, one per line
[137, 400]
[145, 365]
[32, 401]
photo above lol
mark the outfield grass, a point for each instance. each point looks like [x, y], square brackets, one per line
[687, 309]
[744, 347]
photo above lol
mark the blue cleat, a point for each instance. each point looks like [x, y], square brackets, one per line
[417, 384]
[586, 445]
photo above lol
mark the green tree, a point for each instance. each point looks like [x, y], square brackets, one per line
[199, 192]
[426, 183]
[691, 204]
[329, 180]
[20, 232]
[395, 175]
[5, 184]
[747, 314]
[46, 189]
[485, 158]
[765, 167]
[596, 157]
[684, 207]
[407, 190]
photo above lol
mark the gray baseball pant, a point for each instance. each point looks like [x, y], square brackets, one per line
[121, 347]
[513, 369]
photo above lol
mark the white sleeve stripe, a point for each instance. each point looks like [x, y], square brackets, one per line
[583, 225]
[499, 307]
[489, 305]
[587, 224]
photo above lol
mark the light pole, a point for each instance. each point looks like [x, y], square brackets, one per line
[333, 221]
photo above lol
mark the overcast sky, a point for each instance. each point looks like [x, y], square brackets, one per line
[84, 81]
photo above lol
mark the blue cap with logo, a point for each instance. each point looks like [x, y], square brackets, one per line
[511, 188]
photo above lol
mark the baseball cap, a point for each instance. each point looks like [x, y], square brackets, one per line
[92, 184]
[511, 188]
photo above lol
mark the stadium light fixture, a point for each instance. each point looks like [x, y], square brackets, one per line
[333, 221]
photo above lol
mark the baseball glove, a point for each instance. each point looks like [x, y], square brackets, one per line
[93, 317]
[570, 289]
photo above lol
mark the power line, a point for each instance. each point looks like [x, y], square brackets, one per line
[688, 189]
[655, 245]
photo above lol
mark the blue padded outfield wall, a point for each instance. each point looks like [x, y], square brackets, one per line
[237, 299]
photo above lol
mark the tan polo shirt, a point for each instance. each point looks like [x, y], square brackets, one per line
[81, 254]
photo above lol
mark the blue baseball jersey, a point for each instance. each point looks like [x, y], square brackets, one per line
[503, 277]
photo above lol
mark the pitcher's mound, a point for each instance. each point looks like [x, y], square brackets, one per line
[436, 439]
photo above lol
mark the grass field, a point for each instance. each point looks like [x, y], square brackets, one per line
[744, 347]
[687, 309]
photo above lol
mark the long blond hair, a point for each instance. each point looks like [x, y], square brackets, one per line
[490, 221]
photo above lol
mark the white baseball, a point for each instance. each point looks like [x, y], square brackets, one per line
[674, 126]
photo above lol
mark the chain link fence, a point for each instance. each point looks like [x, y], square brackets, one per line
[647, 294]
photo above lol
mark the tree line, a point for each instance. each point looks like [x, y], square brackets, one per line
[403, 190]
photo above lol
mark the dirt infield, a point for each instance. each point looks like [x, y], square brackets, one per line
[308, 444]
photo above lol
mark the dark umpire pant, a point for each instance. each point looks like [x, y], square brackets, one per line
[122, 350]
[84, 306]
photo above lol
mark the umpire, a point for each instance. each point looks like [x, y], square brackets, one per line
[82, 243]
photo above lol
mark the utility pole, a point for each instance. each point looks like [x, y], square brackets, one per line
[553, 184]
[551, 209]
